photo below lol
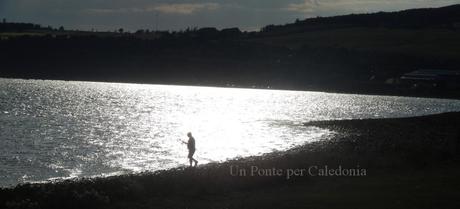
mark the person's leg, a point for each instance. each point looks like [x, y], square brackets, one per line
[190, 156]
[196, 161]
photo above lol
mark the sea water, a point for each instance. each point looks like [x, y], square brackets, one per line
[63, 129]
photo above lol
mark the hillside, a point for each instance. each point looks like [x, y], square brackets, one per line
[355, 53]
[444, 17]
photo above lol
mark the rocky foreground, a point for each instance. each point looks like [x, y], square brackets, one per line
[372, 163]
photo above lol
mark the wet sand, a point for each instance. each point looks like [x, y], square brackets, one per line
[372, 163]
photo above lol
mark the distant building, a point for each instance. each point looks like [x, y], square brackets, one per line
[230, 32]
[432, 78]
[208, 32]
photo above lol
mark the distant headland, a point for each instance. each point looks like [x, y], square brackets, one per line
[412, 52]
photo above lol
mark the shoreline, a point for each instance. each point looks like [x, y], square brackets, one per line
[409, 162]
[394, 92]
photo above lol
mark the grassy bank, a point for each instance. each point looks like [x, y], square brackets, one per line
[408, 163]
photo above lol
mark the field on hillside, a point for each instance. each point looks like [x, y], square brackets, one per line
[420, 42]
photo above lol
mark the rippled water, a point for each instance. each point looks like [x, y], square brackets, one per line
[58, 129]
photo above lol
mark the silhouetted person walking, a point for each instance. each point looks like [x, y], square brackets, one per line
[191, 148]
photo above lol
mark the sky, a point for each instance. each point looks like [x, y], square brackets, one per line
[249, 15]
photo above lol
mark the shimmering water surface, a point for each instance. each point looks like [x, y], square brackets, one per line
[58, 129]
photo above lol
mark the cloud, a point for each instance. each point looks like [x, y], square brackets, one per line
[174, 8]
[304, 7]
[332, 7]
[179, 14]
[113, 11]
[185, 8]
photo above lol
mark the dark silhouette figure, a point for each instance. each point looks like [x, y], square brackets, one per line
[191, 148]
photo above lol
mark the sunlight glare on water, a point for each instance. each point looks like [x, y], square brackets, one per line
[58, 129]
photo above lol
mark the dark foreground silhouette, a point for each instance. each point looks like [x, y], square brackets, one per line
[409, 162]
[358, 53]
[191, 149]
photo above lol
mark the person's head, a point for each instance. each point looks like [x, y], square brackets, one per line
[189, 134]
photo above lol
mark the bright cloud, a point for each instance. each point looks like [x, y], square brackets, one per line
[185, 8]
[305, 7]
[175, 8]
